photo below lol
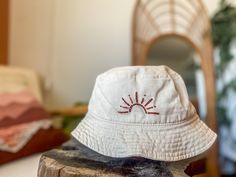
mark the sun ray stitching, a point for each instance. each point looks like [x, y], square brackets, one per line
[157, 113]
[123, 112]
[142, 101]
[131, 99]
[125, 102]
[125, 107]
[136, 95]
[132, 104]
[148, 102]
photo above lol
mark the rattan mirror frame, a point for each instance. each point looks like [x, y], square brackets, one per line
[147, 30]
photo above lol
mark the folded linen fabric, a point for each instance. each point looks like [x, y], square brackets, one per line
[12, 87]
[13, 138]
[15, 80]
[20, 107]
[31, 114]
[15, 110]
[143, 111]
[22, 97]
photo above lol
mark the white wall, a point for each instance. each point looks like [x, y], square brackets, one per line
[31, 34]
[69, 42]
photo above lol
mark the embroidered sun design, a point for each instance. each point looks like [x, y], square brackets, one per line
[145, 105]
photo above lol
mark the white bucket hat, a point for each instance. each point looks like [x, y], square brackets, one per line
[143, 111]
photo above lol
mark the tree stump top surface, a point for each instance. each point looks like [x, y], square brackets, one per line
[75, 160]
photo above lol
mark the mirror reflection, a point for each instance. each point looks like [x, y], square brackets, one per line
[182, 57]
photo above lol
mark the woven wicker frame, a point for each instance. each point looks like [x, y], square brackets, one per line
[187, 20]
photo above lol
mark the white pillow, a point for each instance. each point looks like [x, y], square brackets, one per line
[13, 80]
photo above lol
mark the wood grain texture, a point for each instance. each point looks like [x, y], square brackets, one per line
[4, 16]
[74, 160]
[49, 167]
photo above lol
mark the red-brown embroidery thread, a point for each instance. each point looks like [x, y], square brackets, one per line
[150, 108]
[125, 102]
[148, 102]
[131, 99]
[129, 106]
[136, 96]
[143, 99]
[153, 113]
[123, 112]
[125, 107]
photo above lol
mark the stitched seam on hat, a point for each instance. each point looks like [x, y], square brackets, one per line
[170, 158]
[142, 124]
[176, 76]
[143, 78]
[170, 115]
[102, 94]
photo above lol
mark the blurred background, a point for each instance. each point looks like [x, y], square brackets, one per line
[52, 50]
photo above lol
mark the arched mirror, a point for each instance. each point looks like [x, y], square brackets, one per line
[182, 57]
[177, 33]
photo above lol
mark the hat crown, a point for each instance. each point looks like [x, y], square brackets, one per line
[141, 94]
[143, 111]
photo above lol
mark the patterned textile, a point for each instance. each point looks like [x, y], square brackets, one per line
[22, 97]
[21, 116]
[13, 138]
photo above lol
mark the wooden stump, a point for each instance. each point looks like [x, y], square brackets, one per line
[52, 168]
[75, 160]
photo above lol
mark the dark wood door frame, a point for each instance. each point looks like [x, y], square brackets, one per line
[4, 16]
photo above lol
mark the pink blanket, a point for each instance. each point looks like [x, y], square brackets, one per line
[23, 97]
[21, 116]
[13, 138]
[15, 110]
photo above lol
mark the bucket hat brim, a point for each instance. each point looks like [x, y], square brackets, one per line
[164, 142]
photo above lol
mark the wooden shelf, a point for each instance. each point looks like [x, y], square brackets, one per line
[77, 110]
